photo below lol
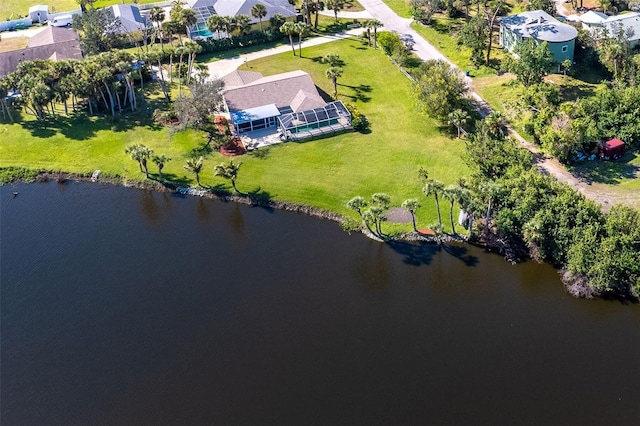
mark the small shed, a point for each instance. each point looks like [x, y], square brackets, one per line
[612, 149]
[39, 13]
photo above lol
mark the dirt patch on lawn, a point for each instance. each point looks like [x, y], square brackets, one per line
[399, 215]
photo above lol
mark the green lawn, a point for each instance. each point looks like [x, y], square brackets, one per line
[323, 173]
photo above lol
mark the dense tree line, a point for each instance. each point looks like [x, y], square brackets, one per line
[105, 81]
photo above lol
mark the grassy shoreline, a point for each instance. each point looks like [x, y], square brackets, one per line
[323, 173]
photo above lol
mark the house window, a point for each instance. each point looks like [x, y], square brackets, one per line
[564, 49]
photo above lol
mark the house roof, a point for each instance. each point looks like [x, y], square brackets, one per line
[130, 17]
[539, 25]
[239, 78]
[593, 17]
[51, 35]
[279, 89]
[629, 22]
[194, 4]
[63, 50]
[243, 7]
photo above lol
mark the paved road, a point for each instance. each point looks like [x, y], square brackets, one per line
[225, 66]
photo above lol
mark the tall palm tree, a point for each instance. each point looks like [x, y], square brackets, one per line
[451, 193]
[160, 161]
[434, 187]
[194, 166]
[276, 21]
[334, 73]
[157, 15]
[373, 24]
[188, 19]
[289, 28]
[228, 171]
[336, 6]
[192, 48]
[412, 205]
[301, 30]
[358, 204]
[141, 154]
[259, 11]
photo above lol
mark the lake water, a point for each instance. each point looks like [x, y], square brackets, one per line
[129, 307]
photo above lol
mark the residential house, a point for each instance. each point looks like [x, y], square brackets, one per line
[541, 27]
[288, 101]
[628, 23]
[131, 20]
[53, 43]
[592, 21]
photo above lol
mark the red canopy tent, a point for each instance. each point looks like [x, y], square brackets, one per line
[613, 148]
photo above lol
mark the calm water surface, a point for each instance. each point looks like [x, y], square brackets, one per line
[128, 307]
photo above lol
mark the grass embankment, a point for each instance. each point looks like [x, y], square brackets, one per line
[323, 173]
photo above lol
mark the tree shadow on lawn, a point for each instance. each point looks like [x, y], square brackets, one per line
[261, 153]
[607, 172]
[173, 179]
[359, 92]
[80, 126]
[261, 198]
[577, 91]
[318, 59]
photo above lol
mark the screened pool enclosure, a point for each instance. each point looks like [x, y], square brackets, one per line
[331, 118]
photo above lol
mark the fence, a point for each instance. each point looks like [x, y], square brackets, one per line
[16, 23]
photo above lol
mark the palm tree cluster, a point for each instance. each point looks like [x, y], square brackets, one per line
[228, 24]
[373, 24]
[372, 213]
[295, 28]
[106, 81]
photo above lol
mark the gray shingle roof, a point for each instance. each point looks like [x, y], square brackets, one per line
[56, 51]
[52, 35]
[279, 89]
[629, 22]
[240, 78]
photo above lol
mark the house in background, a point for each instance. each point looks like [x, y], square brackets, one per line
[206, 8]
[628, 23]
[541, 27]
[131, 19]
[53, 43]
[289, 102]
[592, 21]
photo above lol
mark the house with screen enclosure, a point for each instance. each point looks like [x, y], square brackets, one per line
[539, 26]
[287, 103]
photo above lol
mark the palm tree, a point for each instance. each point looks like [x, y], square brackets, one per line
[229, 171]
[332, 60]
[242, 23]
[141, 154]
[334, 73]
[358, 204]
[451, 193]
[160, 161]
[491, 190]
[379, 205]
[458, 118]
[336, 6]
[375, 24]
[434, 187]
[301, 30]
[412, 205]
[194, 166]
[289, 28]
[276, 21]
[259, 11]
[157, 15]
[192, 48]
[215, 23]
[188, 19]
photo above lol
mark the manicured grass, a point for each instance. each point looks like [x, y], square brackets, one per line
[7, 7]
[401, 7]
[324, 173]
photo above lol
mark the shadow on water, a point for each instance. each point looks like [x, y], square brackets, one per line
[417, 254]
